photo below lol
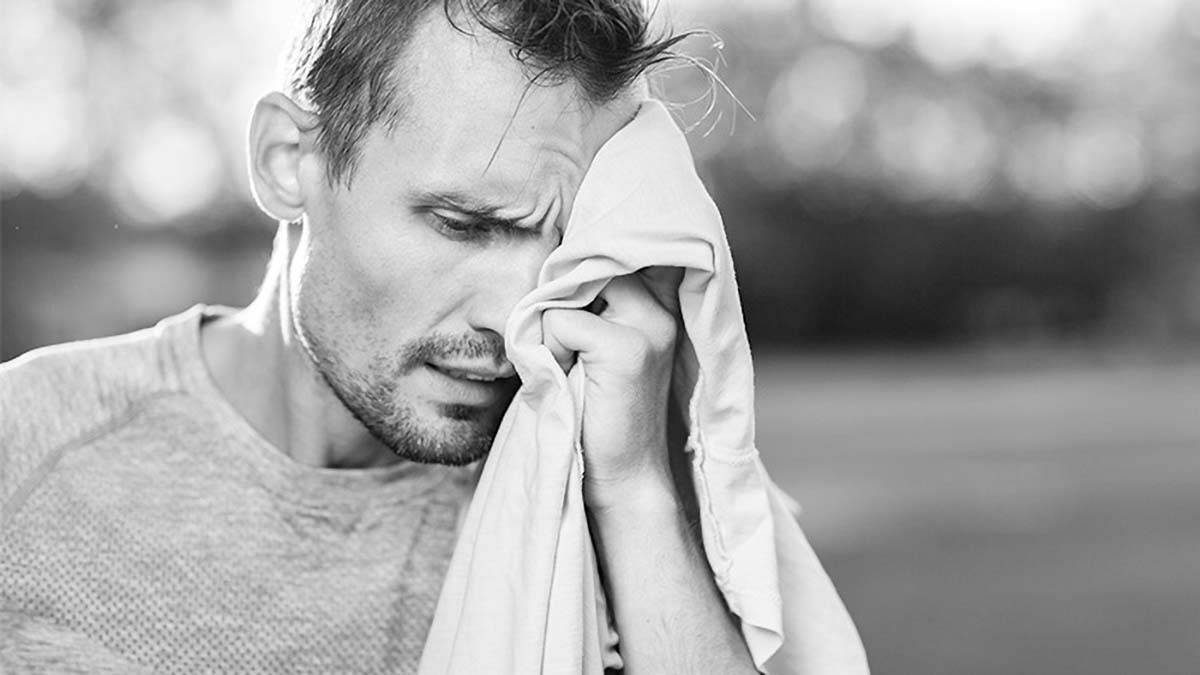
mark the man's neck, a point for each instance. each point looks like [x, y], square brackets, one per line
[261, 367]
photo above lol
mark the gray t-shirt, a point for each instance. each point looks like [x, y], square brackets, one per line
[147, 527]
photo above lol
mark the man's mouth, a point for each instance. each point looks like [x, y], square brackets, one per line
[474, 374]
[475, 385]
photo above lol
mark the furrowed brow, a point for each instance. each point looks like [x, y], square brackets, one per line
[480, 211]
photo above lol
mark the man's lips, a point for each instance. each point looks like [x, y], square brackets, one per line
[483, 374]
[481, 386]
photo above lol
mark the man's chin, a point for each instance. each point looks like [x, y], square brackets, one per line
[456, 437]
[425, 431]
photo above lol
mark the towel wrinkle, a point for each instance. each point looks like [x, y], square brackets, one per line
[523, 592]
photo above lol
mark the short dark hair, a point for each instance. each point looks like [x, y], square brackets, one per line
[343, 60]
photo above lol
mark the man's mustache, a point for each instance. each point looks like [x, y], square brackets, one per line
[443, 347]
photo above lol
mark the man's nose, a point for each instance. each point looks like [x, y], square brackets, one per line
[505, 279]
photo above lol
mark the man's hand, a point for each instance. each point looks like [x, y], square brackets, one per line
[627, 348]
[669, 614]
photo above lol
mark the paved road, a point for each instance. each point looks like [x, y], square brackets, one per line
[1016, 513]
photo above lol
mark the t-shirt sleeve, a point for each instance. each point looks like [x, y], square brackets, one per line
[23, 429]
[55, 397]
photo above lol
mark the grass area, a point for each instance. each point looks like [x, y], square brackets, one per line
[997, 514]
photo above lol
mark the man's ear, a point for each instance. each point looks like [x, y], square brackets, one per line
[282, 134]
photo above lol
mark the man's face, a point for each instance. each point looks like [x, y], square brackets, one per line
[402, 283]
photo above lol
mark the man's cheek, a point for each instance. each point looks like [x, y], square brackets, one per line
[396, 266]
[353, 284]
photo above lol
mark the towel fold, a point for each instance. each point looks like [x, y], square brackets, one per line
[523, 593]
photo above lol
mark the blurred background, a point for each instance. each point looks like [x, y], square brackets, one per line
[968, 242]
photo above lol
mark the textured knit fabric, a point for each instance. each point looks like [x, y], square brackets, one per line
[147, 527]
[537, 606]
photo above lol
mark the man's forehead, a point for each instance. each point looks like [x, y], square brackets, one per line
[477, 124]
[468, 85]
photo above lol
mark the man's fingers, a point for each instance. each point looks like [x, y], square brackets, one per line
[622, 330]
[567, 331]
[626, 300]
[632, 304]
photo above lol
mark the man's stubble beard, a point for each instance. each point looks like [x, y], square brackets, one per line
[466, 432]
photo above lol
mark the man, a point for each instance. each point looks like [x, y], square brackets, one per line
[278, 488]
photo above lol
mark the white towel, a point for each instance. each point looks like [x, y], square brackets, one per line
[522, 594]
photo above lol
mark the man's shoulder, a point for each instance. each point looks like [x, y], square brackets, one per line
[53, 395]
[75, 377]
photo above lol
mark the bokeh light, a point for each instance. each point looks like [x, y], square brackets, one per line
[169, 170]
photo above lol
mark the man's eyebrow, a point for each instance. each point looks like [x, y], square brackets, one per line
[483, 212]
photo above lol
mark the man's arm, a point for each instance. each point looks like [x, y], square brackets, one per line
[670, 616]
